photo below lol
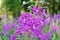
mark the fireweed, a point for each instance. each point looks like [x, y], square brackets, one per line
[7, 28]
[32, 24]
[36, 24]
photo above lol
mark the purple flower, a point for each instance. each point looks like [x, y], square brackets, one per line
[58, 15]
[37, 33]
[43, 13]
[33, 23]
[47, 36]
[12, 25]
[5, 27]
[36, 24]
[13, 37]
[36, 10]
[30, 22]
[47, 20]
[17, 31]
[53, 26]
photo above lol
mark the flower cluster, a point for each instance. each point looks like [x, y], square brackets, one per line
[7, 27]
[36, 24]
[33, 24]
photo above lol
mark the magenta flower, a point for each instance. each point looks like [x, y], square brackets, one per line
[35, 23]
[12, 25]
[47, 20]
[58, 15]
[5, 27]
[39, 34]
[43, 12]
[36, 10]
[13, 37]
[18, 32]
[29, 22]
[47, 36]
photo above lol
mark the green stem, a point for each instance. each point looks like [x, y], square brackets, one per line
[26, 37]
[2, 37]
[30, 10]
[36, 2]
[54, 36]
[30, 38]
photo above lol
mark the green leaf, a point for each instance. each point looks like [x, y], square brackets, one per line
[53, 37]
[0, 28]
[11, 31]
[6, 38]
[58, 37]
[0, 38]
[21, 38]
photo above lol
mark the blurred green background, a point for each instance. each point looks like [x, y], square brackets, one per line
[14, 7]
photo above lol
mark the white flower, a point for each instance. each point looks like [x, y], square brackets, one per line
[24, 2]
